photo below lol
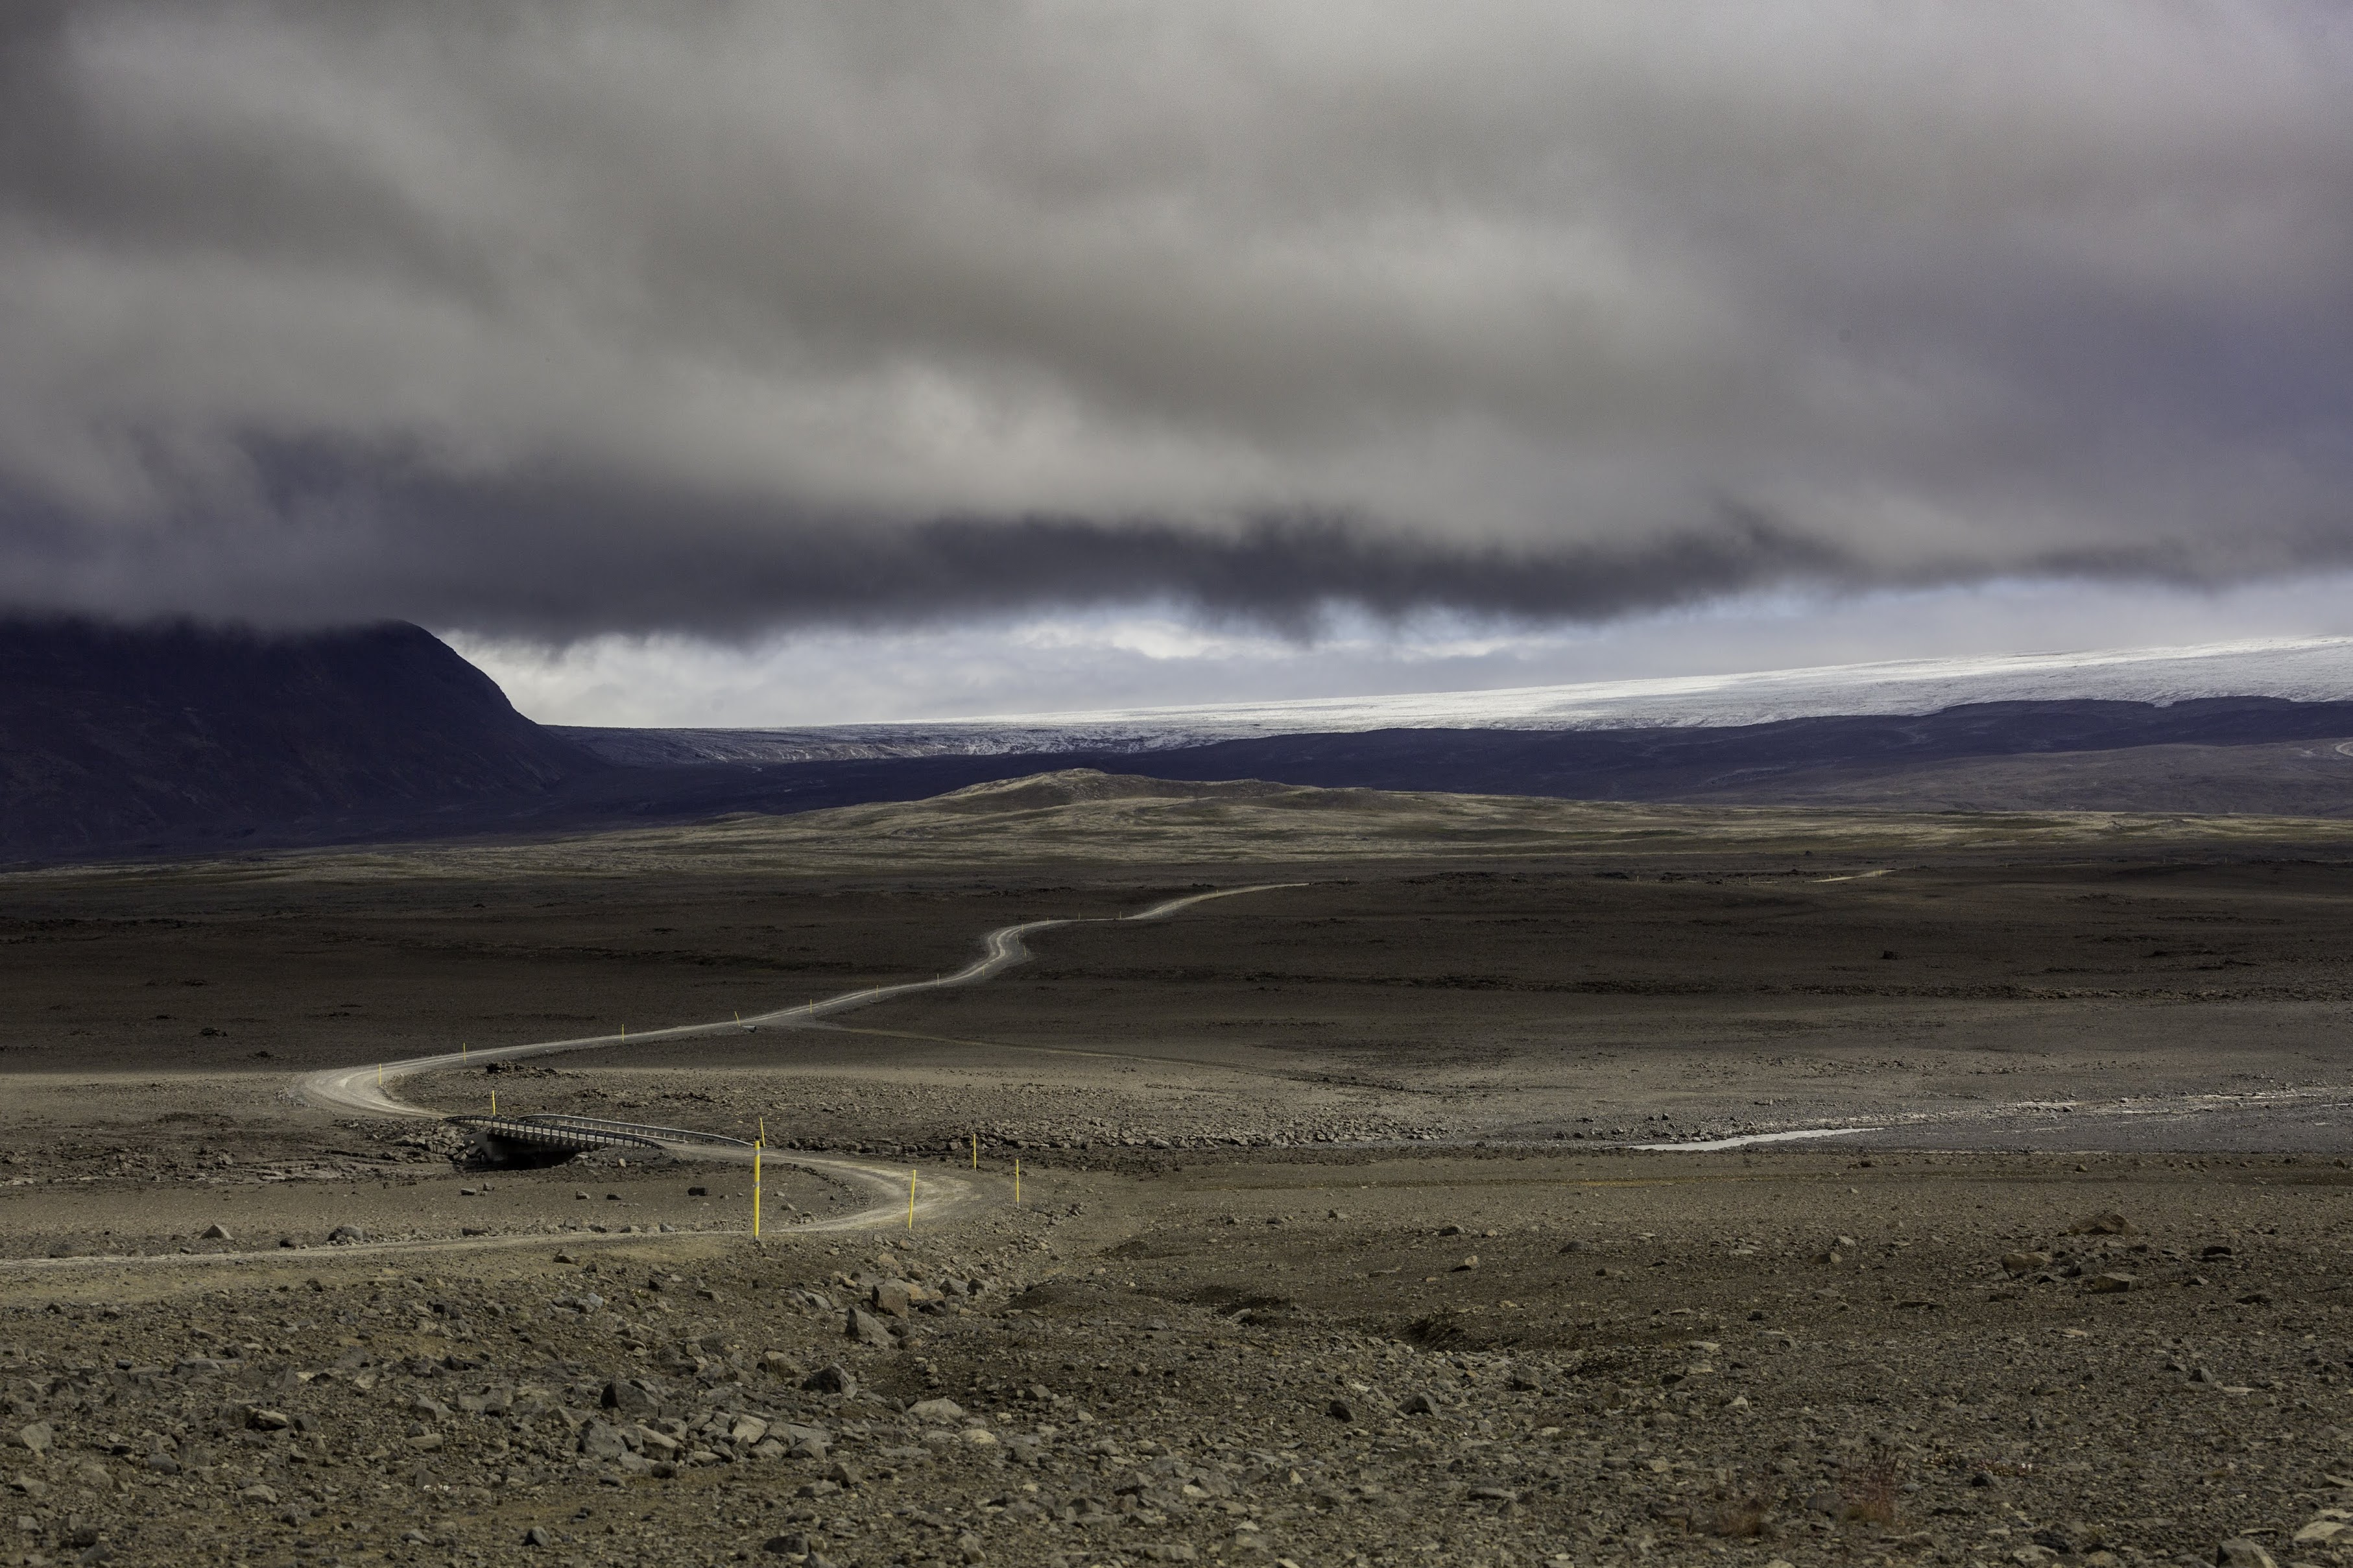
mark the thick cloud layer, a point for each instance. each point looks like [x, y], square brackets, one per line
[553, 319]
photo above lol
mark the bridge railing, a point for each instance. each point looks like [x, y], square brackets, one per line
[636, 1130]
[522, 1129]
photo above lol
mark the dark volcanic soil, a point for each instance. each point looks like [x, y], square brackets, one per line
[1622, 1001]
[1265, 1297]
[1515, 1359]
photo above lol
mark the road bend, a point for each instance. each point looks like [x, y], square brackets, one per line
[371, 1090]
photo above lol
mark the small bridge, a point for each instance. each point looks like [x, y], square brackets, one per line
[506, 1137]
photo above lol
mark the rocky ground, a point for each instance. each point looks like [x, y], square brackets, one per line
[1519, 1358]
[1332, 1247]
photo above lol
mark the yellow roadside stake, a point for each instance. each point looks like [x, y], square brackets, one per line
[379, 1075]
[910, 1200]
[461, 1050]
[1016, 1183]
[976, 1150]
[755, 1191]
[494, 1103]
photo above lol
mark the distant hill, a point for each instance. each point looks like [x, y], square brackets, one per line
[2256, 754]
[2215, 755]
[179, 739]
[116, 739]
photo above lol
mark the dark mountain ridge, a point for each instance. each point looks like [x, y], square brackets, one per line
[177, 740]
[121, 738]
[2206, 754]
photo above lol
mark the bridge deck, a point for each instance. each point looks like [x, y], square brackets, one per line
[542, 1134]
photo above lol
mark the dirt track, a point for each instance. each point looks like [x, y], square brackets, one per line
[1251, 1189]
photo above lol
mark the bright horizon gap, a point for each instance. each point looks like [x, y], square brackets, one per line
[1080, 666]
[1892, 670]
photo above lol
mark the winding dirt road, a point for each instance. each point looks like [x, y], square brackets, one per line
[370, 1090]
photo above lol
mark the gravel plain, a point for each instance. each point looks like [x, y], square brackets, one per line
[1334, 1243]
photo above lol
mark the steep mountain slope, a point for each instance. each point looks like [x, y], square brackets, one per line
[115, 738]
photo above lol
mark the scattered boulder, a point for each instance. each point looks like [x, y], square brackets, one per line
[2109, 1284]
[38, 1437]
[1340, 1410]
[865, 1328]
[2017, 1263]
[2102, 1225]
[345, 1235]
[939, 1412]
[215, 1232]
[601, 1440]
[2239, 1552]
[832, 1379]
[538, 1535]
[804, 1442]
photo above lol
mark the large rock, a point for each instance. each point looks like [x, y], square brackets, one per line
[803, 1442]
[631, 1401]
[601, 1440]
[866, 1328]
[834, 1379]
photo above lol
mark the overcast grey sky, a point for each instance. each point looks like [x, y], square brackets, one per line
[922, 327]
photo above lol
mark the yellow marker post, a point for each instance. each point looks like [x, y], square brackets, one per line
[494, 1103]
[755, 1191]
[379, 1075]
[764, 1132]
[461, 1050]
[976, 1150]
[910, 1200]
[1016, 1183]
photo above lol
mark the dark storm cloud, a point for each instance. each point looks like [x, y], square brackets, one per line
[551, 319]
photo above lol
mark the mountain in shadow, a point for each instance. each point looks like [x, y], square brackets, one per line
[176, 740]
[170, 737]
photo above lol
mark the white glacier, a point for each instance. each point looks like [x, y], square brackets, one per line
[2308, 670]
